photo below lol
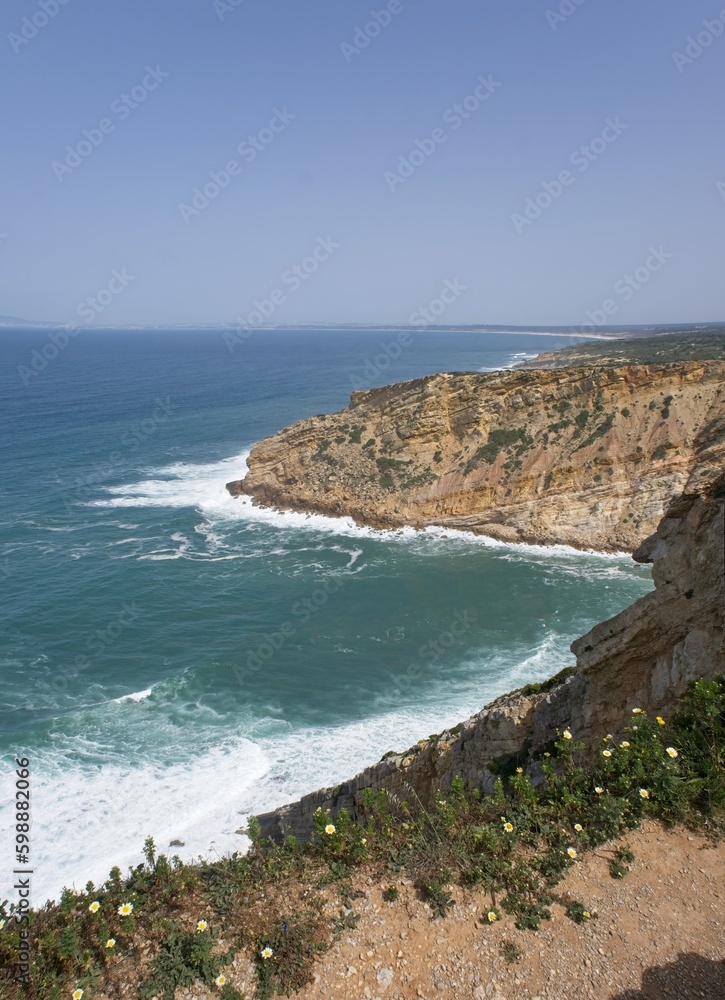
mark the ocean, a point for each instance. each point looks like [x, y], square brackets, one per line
[174, 659]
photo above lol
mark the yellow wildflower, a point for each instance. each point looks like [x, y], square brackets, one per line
[111, 943]
[330, 829]
[643, 793]
[266, 953]
[571, 852]
[660, 721]
[95, 906]
[492, 918]
[672, 752]
[202, 925]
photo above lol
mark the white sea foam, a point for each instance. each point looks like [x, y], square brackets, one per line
[136, 696]
[89, 818]
[203, 487]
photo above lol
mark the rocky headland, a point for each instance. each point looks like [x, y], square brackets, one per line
[584, 456]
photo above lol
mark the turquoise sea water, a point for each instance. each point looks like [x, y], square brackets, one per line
[173, 659]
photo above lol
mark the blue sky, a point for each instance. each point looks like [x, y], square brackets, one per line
[331, 123]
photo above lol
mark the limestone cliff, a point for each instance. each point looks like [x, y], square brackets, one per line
[584, 456]
[643, 657]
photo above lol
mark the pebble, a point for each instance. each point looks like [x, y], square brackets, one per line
[385, 976]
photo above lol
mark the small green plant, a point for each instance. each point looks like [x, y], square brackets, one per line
[182, 960]
[284, 957]
[619, 865]
[578, 912]
[598, 432]
[390, 894]
[438, 898]
[498, 440]
[228, 992]
[511, 952]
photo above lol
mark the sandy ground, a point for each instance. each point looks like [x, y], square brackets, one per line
[659, 934]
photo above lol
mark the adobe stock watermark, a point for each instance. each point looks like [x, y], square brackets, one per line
[88, 310]
[249, 149]
[363, 35]
[626, 288]
[428, 655]
[121, 107]
[292, 280]
[224, 7]
[427, 315]
[130, 441]
[30, 26]
[455, 116]
[696, 44]
[563, 12]
[47, 684]
[301, 612]
[374, 367]
[582, 158]
[391, 350]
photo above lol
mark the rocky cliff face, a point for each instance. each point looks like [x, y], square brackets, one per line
[643, 657]
[588, 457]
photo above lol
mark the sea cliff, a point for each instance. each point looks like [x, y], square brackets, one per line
[587, 456]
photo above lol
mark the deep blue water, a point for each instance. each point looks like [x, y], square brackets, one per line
[145, 669]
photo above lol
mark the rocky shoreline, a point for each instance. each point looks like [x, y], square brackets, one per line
[586, 457]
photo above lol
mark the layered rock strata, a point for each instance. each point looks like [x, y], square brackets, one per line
[588, 457]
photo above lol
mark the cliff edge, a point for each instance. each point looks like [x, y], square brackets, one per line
[586, 456]
[644, 657]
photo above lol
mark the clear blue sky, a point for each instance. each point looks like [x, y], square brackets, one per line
[323, 175]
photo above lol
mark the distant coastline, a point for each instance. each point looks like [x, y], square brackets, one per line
[12, 323]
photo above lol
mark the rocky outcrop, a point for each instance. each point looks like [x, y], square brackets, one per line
[588, 457]
[644, 657]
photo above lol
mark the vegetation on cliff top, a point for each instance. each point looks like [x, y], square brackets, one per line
[645, 350]
[167, 924]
